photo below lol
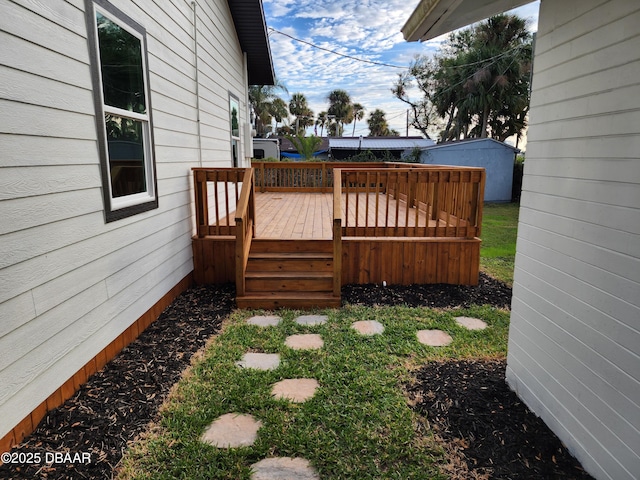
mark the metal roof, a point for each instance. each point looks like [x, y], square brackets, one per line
[433, 18]
[379, 143]
[248, 17]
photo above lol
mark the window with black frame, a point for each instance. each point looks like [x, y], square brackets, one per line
[122, 101]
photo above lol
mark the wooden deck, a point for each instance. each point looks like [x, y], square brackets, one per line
[309, 215]
[297, 235]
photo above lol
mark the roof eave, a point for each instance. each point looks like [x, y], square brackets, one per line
[251, 27]
[433, 18]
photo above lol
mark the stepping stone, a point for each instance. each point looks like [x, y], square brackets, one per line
[297, 390]
[264, 320]
[311, 319]
[232, 430]
[434, 338]
[308, 341]
[471, 323]
[260, 361]
[283, 468]
[368, 327]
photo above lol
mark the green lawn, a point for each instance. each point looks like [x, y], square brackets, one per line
[357, 426]
[499, 231]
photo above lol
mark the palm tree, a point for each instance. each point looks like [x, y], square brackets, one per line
[299, 108]
[262, 99]
[340, 106]
[378, 126]
[484, 82]
[358, 114]
[322, 120]
[306, 146]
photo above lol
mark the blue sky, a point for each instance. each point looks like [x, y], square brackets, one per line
[366, 29]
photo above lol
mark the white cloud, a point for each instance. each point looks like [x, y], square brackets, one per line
[366, 29]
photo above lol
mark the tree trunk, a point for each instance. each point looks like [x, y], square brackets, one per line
[485, 122]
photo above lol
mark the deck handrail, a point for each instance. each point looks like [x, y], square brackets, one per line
[225, 187]
[337, 233]
[438, 201]
[245, 228]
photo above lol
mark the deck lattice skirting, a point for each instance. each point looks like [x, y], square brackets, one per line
[289, 235]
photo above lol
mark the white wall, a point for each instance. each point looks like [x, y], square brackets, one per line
[69, 282]
[574, 343]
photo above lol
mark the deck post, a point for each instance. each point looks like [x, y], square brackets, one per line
[337, 232]
[202, 206]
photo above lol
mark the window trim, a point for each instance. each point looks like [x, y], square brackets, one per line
[239, 161]
[116, 208]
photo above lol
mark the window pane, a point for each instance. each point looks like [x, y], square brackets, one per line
[121, 63]
[233, 110]
[125, 140]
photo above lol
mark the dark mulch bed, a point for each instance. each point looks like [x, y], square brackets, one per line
[487, 431]
[488, 292]
[117, 403]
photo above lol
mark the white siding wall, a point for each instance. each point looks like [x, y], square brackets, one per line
[69, 282]
[574, 343]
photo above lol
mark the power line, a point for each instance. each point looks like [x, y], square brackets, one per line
[334, 52]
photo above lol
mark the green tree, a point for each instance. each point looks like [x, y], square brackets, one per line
[322, 121]
[341, 108]
[263, 99]
[306, 146]
[358, 114]
[298, 107]
[378, 126]
[478, 84]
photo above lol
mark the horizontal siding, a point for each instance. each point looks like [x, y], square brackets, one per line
[574, 343]
[69, 282]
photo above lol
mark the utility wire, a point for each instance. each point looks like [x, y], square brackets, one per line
[271, 29]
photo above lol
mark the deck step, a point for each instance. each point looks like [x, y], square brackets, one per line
[289, 274]
[289, 281]
[300, 300]
[290, 262]
[262, 245]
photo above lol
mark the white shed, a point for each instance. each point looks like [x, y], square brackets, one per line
[574, 342]
[96, 150]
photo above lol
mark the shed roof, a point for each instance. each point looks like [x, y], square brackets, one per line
[379, 143]
[248, 17]
[433, 18]
[468, 141]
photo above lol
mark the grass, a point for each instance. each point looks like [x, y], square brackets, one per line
[357, 426]
[499, 231]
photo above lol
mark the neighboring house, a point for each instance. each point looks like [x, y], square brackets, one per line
[574, 341]
[345, 147]
[96, 148]
[497, 158]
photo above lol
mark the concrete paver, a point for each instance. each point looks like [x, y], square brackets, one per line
[297, 390]
[260, 361]
[311, 319]
[264, 320]
[232, 430]
[368, 327]
[434, 338]
[283, 468]
[307, 341]
[471, 323]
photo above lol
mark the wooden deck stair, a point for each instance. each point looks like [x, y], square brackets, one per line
[289, 273]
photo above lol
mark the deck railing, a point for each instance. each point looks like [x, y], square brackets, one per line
[245, 228]
[413, 201]
[232, 189]
[301, 176]
[217, 191]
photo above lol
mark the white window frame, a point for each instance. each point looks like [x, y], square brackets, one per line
[117, 207]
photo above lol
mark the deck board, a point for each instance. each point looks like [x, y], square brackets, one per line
[310, 215]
